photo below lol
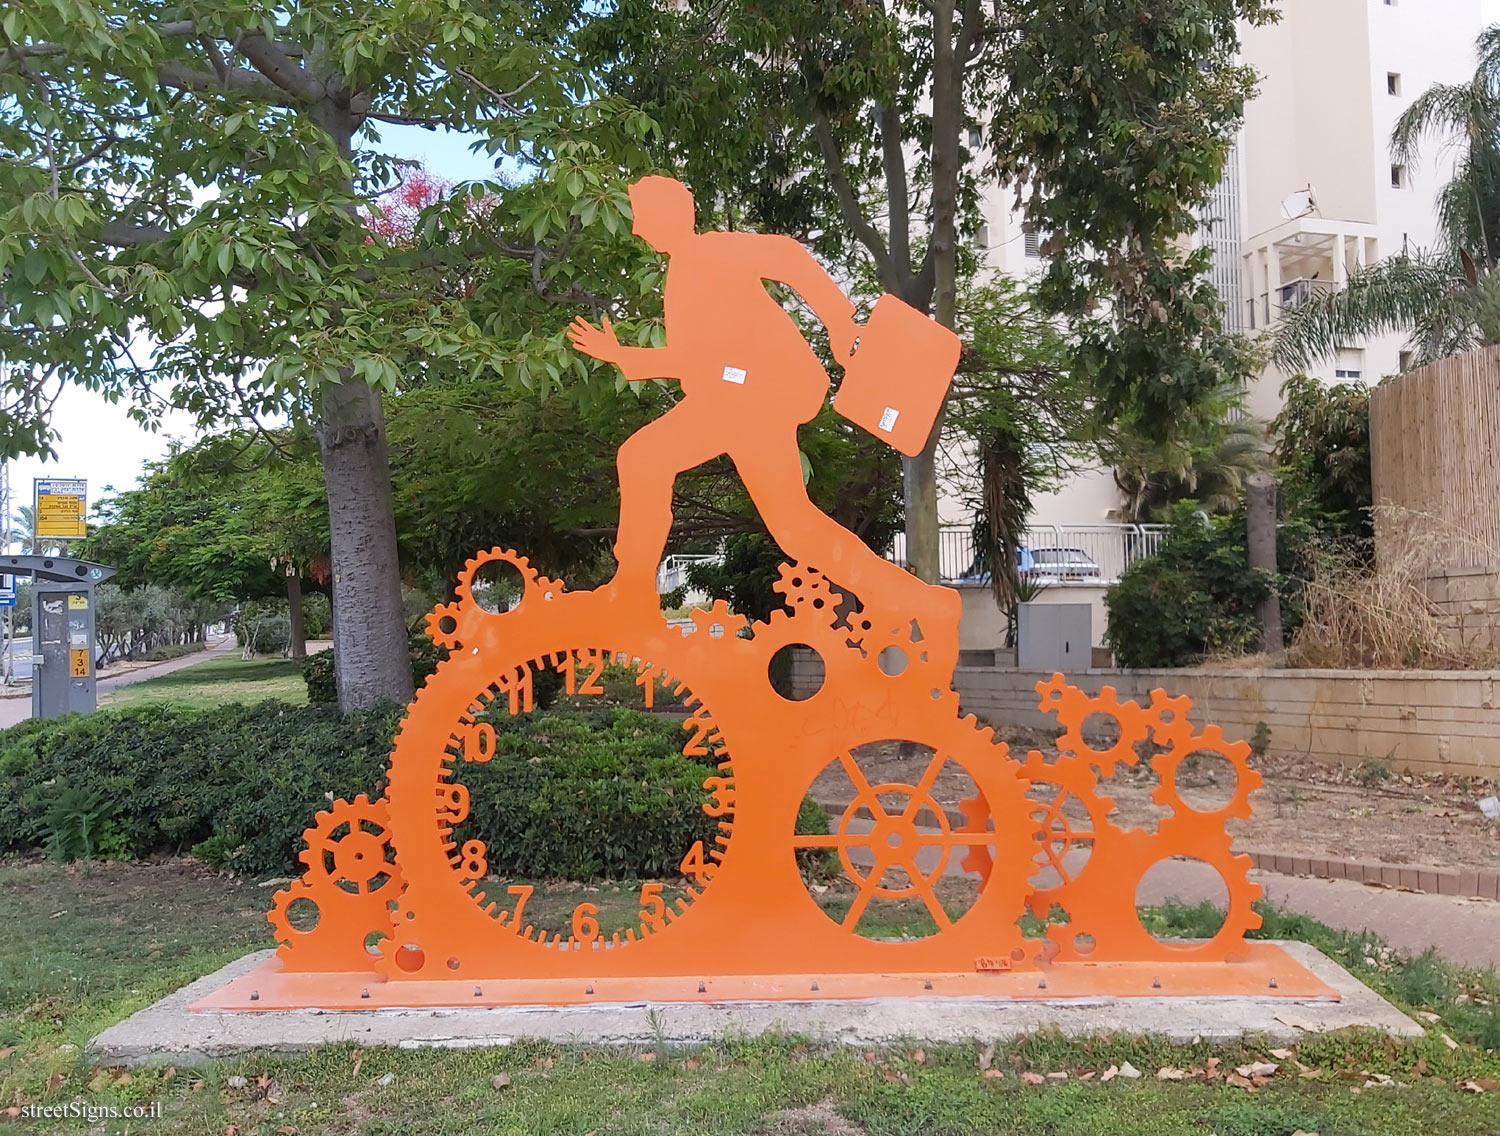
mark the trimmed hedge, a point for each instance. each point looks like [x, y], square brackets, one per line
[568, 795]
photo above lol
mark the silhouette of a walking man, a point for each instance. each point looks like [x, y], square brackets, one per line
[749, 380]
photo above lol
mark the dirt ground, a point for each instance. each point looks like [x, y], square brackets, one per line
[1369, 813]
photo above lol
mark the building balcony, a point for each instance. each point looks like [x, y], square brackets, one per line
[1299, 260]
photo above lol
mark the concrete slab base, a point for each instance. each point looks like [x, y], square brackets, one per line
[169, 1032]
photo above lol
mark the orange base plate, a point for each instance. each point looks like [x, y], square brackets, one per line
[1266, 972]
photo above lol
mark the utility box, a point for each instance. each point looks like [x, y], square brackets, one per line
[1054, 637]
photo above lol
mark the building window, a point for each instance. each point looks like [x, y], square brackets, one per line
[1032, 241]
[975, 138]
[1403, 361]
[1350, 363]
[982, 237]
[1398, 177]
[1392, 83]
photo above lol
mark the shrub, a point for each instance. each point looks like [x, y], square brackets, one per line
[573, 795]
[1196, 597]
[322, 687]
[174, 777]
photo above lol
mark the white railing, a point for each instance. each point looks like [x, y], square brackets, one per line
[672, 573]
[1070, 554]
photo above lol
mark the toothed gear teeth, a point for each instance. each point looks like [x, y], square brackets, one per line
[1169, 716]
[443, 624]
[1168, 765]
[718, 615]
[1051, 692]
[1073, 709]
[352, 898]
[475, 563]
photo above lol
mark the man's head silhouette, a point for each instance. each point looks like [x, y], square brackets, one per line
[663, 210]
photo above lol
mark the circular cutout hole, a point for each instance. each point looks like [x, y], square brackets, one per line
[716, 631]
[372, 941]
[1017, 955]
[1185, 881]
[892, 660]
[1206, 780]
[497, 586]
[303, 914]
[796, 672]
[1100, 730]
[410, 958]
[1083, 944]
[453, 964]
[447, 625]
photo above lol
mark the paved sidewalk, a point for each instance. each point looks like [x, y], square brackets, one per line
[16, 710]
[1463, 930]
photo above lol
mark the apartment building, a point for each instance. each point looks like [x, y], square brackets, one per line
[1310, 194]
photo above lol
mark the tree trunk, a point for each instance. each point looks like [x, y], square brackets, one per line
[1260, 547]
[920, 482]
[370, 647]
[294, 614]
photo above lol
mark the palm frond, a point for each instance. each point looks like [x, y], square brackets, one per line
[1392, 296]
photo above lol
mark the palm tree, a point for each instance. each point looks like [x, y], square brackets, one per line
[1207, 459]
[1446, 299]
[23, 530]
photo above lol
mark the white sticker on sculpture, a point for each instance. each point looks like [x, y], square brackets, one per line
[888, 419]
[734, 375]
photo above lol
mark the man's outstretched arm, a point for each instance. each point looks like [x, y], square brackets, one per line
[637, 364]
[784, 260]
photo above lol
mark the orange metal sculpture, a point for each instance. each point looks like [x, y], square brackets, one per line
[411, 908]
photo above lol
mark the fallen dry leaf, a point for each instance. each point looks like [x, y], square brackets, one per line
[1281, 1054]
[198, 1086]
[1300, 1023]
[869, 1057]
[1109, 1074]
[919, 1056]
[1129, 1071]
[1257, 1069]
[1448, 1041]
[992, 1074]
[1239, 1082]
[1033, 1078]
[1171, 1073]
[500, 1081]
[55, 1080]
[1472, 1087]
[986, 1056]
[232, 1130]
[287, 1130]
[10, 1113]
[647, 1058]
[6, 1051]
[1060, 1075]
[690, 1063]
[1428, 1016]
[1089, 1076]
[359, 1060]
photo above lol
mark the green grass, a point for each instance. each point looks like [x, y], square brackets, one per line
[213, 683]
[81, 949]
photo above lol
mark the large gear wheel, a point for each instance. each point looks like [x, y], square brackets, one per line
[351, 878]
[497, 907]
[895, 841]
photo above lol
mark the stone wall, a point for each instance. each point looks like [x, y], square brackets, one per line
[1470, 601]
[1446, 721]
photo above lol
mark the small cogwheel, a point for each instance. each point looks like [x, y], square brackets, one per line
[717, 621]
[1073, 709]
[351, 880]
[1169, 716]
[1211, 740]
[443, 624]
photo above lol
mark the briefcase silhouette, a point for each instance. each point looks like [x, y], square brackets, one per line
[896, 381]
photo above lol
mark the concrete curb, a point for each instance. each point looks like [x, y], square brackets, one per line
[169, 1032]
[1480, 883]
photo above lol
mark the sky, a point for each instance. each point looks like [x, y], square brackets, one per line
[97, 440]
[100, 444]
